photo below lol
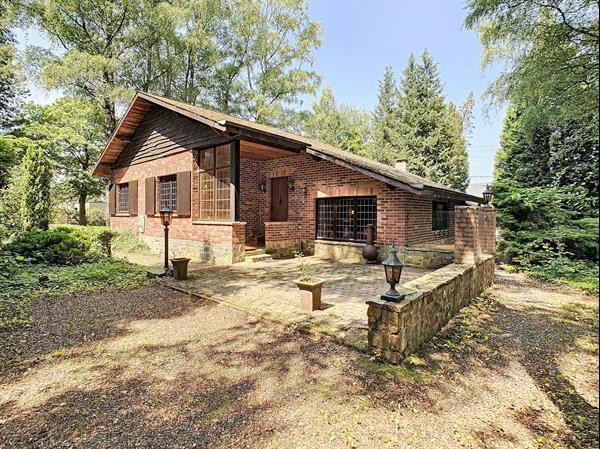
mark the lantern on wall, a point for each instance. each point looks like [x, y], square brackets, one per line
[393, 271]
[487, 195]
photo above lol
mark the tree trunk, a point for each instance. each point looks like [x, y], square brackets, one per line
[82, 212]
[110, 119]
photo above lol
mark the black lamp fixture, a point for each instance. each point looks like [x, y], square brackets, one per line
[393, 271]
[262, 187]
[290, 184]
[166, 215]
[487, 195]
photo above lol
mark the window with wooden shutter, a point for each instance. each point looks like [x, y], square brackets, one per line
[112, 199]
[150, 196]
[168, 192]
[123, 198]
[184, 193]
[133, 198]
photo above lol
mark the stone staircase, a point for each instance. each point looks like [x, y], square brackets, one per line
[257, 255]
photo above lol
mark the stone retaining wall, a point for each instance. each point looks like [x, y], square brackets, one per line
[396, 329]
[412, 257]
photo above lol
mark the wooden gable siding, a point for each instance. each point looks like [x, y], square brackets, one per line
[163, 132]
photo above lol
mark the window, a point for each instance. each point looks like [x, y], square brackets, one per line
[439, 216]
[214, 190]
[168, 192]
[123, 198]
[345, 218]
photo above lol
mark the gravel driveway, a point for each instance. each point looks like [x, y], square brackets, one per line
[148, 367]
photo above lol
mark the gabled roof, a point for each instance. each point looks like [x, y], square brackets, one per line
[234, 126]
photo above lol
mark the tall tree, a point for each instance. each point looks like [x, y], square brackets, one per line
[549, 51]
[342, 126]
[72, 132]
[246, 57]
[9, 76]
[430, 130]
[385, 146]
[37, 178]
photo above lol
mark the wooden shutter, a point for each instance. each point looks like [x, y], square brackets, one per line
[133, 198]
[150, 195]
[279, 199]
[112, 199]
[184, 193]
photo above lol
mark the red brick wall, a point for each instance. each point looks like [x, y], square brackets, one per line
[402, 217]
[182, 228]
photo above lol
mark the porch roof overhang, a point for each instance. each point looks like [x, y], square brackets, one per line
[261, 137]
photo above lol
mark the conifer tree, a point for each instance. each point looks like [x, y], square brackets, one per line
[431, 131]
[35, 202]
[385, 145]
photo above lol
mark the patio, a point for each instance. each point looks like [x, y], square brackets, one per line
[267, 289]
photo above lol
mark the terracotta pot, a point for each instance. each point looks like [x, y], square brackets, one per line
[310, 294]
[180, 268]
[370, 251]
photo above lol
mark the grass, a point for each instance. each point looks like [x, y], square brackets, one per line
[27, 283]
[128, 242]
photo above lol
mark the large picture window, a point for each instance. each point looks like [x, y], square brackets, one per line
[123, 198]
[214, 190]
[439, 216]
[345, 218]
[168, 192]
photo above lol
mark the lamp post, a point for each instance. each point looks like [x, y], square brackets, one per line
[166, 215]
[487, 196]
[393, 271]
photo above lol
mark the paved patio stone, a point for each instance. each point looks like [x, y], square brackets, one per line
[267, 289]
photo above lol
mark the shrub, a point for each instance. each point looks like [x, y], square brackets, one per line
[62, 245]
[96, 217]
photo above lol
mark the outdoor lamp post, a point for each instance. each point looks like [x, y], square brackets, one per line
[487, 196]
[393, 271]
[166, 214]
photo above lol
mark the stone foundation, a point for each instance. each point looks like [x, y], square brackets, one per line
[413, 257]
[397, 329]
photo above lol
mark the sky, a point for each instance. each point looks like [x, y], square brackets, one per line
[361, 37]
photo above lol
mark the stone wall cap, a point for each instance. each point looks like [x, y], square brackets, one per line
[218, 223]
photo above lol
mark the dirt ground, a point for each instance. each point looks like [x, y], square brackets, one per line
[149, 367]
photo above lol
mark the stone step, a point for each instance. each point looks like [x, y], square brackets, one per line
[258, 258]
[254, 251]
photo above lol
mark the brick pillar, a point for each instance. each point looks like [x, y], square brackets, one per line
[487, 229]
[466, 235]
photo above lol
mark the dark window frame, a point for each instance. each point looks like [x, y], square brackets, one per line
[439, 218]
[168, 188]
[213, 171]
[337, 203]
[123, 187]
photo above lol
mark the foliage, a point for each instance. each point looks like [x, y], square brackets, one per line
[72, 132]
[385, 145]
[342, 126]
[553, 155]
[246, 57]
[26, 283]
[10, 91]
[432, 135]
[35, 202]
[549, 51]
[128, 242]
[63, 245]
[96, 217]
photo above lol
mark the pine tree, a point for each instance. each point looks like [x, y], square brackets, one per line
[35, 203]
[385, 145]
[431, 131]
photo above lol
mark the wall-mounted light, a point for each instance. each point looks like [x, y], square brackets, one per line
[262, 187]
[290, 184]
[305, 191]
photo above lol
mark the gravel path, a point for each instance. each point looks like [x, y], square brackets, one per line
[148, 367]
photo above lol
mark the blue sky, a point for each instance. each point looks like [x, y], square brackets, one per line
[361, 37]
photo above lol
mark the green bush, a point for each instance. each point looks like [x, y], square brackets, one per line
[95, 217]
[62, 245]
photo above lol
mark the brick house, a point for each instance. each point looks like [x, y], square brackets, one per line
[235, 184]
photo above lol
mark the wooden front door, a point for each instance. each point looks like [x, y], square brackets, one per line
[279, 199]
